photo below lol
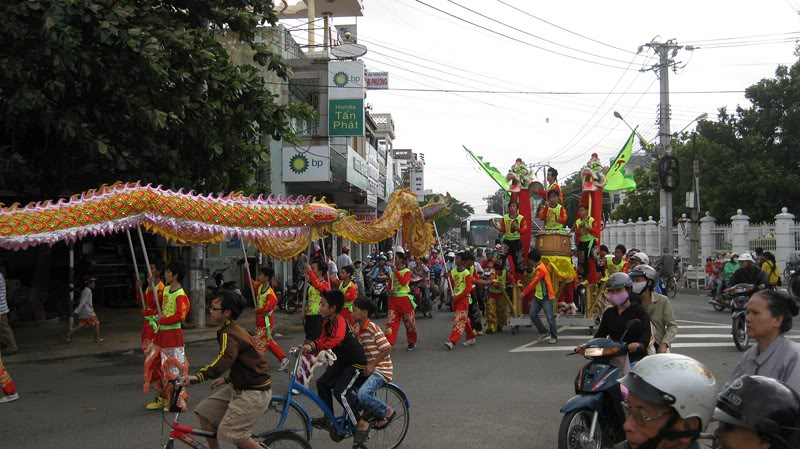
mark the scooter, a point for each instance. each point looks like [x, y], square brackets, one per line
[594, 417]
[379, 295]
[738, 298]
[419, 298]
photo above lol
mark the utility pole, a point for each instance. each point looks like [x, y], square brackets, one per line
[666, 51]
[694, 244]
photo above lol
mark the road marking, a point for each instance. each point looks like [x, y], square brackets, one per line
[690, 336]
[567, 349]
[695, 326]
[697, 322]
[538, 340]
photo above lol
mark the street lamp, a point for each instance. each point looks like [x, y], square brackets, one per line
[699, 118]
[642, 139]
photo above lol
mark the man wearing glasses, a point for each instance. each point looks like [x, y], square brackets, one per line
[670, 400]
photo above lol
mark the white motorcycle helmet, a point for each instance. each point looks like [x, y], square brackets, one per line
[675, 381]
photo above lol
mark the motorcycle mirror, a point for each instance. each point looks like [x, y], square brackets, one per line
[631, 323]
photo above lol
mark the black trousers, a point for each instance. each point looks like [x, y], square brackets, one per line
[515, 250]
[584, 254]
[472, 312]
[339, 380]
[313, 326]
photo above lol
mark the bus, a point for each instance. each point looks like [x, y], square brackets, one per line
[478, 230]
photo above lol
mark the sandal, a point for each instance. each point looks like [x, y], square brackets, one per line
[386, 421]
[359, 438]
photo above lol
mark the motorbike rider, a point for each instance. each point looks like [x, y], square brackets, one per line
[382, 269]
[730, 267]
[749, 273]
[614, 320]
[757, 412]
[769, 319]
[421, 273]
[670, 400]
[657, 306]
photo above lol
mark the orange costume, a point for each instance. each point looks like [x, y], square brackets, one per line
[152, 371]
[350, 292]
[266, 302]
[169, 341]
[553, 186]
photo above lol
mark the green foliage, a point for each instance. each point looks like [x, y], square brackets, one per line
[458, 211]
[641, 203]
[94, 91]
[749, 159]
[495, 203]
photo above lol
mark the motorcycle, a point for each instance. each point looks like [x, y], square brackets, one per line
[292, 299]
[378, 294]
[594, 416]
[720, 302]
[419, 297]
[738, 299]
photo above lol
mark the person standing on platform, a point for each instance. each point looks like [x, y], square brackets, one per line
[511, 226]
[553, 214]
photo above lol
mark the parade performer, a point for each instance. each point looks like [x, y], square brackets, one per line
[552, 184]
[85, 312]
[496, 310]
[585, 238]
[401, 303]
[152, 358]
[8, 386]
[553, 214]
[318, 285]
[544, 296]
[518, 176]
[265, 304]
[350, 291]
[511, 226]
[462, 284]
[169, 337]
[617, 264]
[475, 299]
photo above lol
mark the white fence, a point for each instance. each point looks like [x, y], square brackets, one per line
[782, 237]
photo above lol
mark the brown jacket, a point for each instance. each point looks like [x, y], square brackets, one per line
[237, 353]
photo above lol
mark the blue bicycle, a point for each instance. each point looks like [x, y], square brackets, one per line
[286, 413]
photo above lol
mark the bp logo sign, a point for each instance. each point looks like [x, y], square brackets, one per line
[340, 79]
[298, 163]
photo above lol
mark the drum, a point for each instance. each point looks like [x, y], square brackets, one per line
[554, 244]
[536, 187]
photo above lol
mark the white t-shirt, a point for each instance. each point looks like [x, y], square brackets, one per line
[343, 260]
[85, 309]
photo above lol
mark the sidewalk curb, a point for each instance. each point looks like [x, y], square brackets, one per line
[104, 353]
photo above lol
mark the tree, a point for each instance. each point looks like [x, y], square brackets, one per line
[643, 202]
[458, 211]
[95, 91]
[495, 203]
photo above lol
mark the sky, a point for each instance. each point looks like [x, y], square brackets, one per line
[424, 49]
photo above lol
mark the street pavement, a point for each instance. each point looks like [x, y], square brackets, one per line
[505, 391]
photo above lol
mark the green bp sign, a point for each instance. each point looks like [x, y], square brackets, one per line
[346, 117]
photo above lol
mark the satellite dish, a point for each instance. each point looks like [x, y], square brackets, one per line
[348, 51]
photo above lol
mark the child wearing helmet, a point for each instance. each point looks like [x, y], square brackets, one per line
[670, 399]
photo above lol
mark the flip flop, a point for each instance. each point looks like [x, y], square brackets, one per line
[388, 420]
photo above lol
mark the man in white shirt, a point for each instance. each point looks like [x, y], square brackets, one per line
[344, 259]
[8, 345]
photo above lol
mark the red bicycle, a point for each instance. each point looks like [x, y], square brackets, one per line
[274, 439]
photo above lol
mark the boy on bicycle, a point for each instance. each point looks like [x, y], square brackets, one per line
[377, 374]
[340, 377]
[241, 397]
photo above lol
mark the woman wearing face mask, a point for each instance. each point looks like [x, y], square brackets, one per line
[614, 320]
[658, 307]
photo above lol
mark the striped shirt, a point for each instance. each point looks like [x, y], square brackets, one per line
[3, 302]
[374, 342]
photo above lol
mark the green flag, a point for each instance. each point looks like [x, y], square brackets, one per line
[616, 178]
[493, 173]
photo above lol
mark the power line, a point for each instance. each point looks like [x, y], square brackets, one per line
[740, 37]
[563, 29]
[531, 34]
[520, 40]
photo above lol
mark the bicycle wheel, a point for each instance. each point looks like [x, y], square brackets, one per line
[671, 286]
[391, 436]
[283, 439]
[296, 420]
[291, 303]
